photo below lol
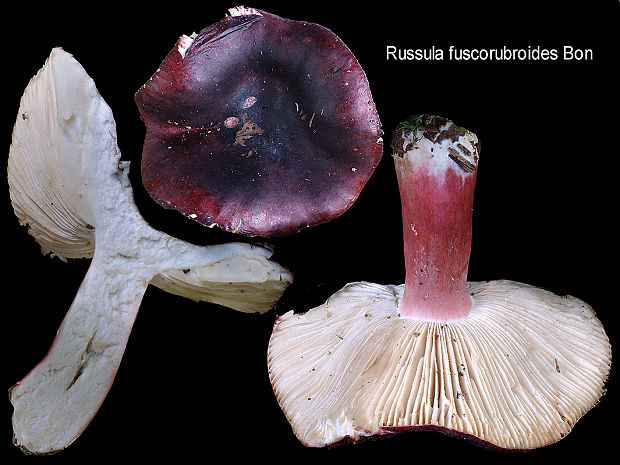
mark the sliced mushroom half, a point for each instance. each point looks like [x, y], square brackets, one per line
[69, 186]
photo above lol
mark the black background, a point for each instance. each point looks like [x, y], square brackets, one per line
[193, 381]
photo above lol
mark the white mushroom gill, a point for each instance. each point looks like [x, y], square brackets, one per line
[68, 184]
[515, 375]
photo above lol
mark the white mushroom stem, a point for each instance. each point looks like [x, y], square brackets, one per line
[69, 186]
[505, 364]
[58, 398]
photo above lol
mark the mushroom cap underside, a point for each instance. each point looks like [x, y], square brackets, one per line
[517, 373]
[260, 125]
[59, 125]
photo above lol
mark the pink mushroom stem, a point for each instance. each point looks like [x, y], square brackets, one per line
[436, 165]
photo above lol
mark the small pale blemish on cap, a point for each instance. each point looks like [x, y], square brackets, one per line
[249, 102]
[231, 122]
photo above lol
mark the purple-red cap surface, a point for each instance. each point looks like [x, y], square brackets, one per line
[259, 125]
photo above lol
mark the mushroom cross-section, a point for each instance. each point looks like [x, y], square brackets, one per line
[68, 184]
[504, 364]
[259, 125]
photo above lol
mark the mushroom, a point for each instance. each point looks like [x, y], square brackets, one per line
[259, 125]
[69, 186]
[505, 364]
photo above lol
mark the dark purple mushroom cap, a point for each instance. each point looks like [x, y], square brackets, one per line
[260, 125]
